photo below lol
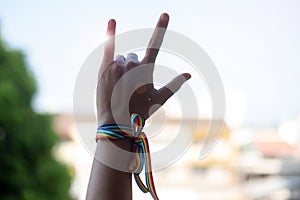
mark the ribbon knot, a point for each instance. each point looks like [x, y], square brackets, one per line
[140, 148]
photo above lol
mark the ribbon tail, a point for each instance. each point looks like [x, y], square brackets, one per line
[140, 183]
[148, 168]
[150, 184]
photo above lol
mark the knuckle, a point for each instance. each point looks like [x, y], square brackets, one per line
[116, 68]
[131, 64]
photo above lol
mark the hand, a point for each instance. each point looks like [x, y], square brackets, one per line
[145, 99]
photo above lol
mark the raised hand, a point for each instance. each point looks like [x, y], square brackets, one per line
[132, 77]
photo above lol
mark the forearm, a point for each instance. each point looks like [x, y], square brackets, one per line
[105, 182]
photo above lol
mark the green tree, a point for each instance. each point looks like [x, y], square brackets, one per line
[28, 169]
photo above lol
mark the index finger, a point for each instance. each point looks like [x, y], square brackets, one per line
[156, 39]
[109, 47]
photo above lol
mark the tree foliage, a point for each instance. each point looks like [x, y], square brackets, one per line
[28, 169]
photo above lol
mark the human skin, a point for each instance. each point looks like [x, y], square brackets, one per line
[105, 182]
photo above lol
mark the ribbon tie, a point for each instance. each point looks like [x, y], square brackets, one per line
[140, 147]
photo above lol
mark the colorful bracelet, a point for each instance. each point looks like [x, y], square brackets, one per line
[140, 148]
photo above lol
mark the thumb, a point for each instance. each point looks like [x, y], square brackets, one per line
[171, 88]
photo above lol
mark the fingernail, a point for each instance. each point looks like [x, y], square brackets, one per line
[111, 22]
[187, 76]
[164, 17]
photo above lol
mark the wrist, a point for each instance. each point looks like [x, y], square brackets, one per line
[105, 118]
[108, 118]
[115, 154]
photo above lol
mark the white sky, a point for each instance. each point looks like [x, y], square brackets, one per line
[254, 44]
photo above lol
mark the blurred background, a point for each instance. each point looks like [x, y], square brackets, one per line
[255, 46]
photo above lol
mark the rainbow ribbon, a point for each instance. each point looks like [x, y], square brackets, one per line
[140, 148]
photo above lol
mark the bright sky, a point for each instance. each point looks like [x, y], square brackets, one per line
[254, 44]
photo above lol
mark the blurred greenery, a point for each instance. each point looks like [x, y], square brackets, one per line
[28, 169]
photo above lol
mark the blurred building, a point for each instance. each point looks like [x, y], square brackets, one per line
[252, 164]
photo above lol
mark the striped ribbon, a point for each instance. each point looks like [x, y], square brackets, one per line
[140, 148]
